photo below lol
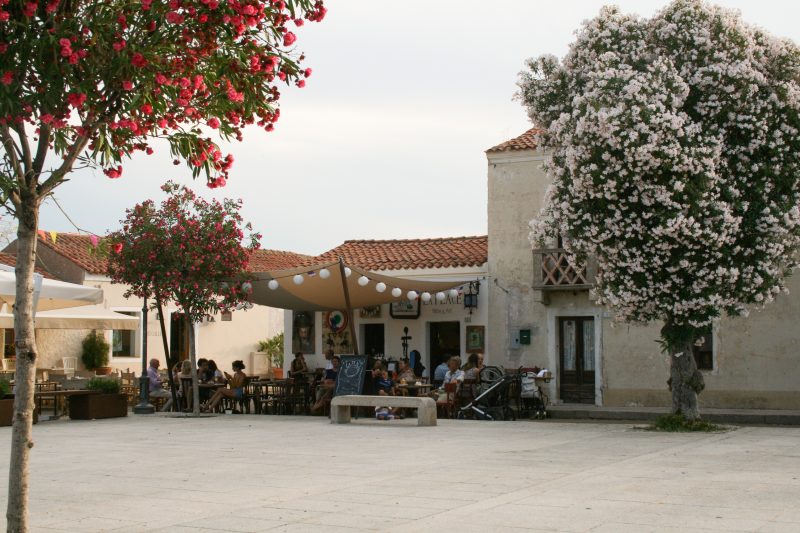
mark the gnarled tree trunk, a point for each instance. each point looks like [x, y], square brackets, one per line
[685, 381]
[25, 378]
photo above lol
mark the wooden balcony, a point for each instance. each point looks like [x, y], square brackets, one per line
[552, 271]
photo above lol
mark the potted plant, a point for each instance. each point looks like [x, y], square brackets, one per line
[7, 405]
[273, 350]
[95, 353]
[109, 403]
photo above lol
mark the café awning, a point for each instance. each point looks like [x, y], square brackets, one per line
[48, 293]
[335, 286]
[327, 287]
[88, 317]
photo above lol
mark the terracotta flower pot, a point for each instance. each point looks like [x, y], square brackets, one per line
[103, 370]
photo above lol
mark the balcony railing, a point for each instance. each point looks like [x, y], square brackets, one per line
[553, 271]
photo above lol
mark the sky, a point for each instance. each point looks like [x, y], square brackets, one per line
[387, 139]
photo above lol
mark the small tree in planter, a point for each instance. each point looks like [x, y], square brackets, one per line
[110, 403]
[95, 352]
[273, 350]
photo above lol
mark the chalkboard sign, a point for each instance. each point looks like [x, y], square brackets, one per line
[350, 379]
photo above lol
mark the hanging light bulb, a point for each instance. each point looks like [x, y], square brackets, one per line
[453, 293]
[324, 273]
[396, 292]
[440, 296]
[363, 280]
[426, 297]
[247, 286]
[380, 287]
[298, 279]
[273, 284]
[412, 295]
[347, 272]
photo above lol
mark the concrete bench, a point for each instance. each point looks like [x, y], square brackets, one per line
[426, 407]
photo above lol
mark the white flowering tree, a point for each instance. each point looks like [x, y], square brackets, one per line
[674, 150]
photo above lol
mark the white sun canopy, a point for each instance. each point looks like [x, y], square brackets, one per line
[88, 317]
[52, 294]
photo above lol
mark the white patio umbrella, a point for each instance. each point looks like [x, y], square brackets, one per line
[88, 317]
[49, 293]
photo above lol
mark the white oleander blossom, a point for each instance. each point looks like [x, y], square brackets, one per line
[674, 153]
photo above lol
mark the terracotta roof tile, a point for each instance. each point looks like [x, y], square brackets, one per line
[77, 248]
[263, 260]
[526, 141]
[445, 252]
[11, 260]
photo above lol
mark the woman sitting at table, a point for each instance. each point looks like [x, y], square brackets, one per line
[472, 368]
[215, 372]
[405, 374]
[236, 382]
[298, 365]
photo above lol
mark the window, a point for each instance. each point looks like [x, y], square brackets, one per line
[8, 343]
[704, 353]
[125, 343]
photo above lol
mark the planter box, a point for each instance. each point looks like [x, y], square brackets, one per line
[94, 406]
[7, 411]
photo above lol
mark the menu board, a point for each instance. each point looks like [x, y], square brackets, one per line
[350, 379]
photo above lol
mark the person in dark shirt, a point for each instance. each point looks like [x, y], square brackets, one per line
[327, 385]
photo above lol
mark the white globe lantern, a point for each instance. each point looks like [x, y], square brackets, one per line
[324, 273]
[298, 279]
[396, 292]
[426, 297]
[363, 280]
[412, 295]
[273, 284]
[440, 296]
[453, 293]
[247, 286]
[380, 287]
[347, 272]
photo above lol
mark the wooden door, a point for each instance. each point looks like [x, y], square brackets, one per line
[577, 359]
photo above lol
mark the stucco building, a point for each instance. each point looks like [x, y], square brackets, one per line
[223, 338]
[541, 313]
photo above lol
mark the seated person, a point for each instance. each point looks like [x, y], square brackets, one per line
[327, 386]
[236, 390]
[383, 384]
[203, 374]
[405, 374]
[298, 365]
[214, 372]
[156, 388]
[454, 375]
[440, 371]
[471, 368]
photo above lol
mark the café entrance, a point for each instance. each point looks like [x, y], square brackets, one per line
[445, 341]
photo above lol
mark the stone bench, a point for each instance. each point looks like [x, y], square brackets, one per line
[426, 407]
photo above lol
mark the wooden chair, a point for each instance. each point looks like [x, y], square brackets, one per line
[447, 405]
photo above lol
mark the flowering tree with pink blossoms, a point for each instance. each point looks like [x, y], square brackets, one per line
[89, 83]
[674, 150]
[188, 251]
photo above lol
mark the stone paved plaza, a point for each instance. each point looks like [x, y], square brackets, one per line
[268, 473]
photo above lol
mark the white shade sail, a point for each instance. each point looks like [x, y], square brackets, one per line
[88, 317]
[53, 294]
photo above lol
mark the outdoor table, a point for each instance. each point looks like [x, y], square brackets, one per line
[414, 389]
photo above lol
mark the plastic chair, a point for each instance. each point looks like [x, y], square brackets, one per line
[70, 365]
[9, 365]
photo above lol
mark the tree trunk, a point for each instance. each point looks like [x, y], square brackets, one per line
[193, 359]
[685, 381]
[25, 379]
[167, 355]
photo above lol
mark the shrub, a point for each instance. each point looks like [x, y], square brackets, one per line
[273, 347]
[677, 423]
[104, 385]
[5, 387]
[95, 351]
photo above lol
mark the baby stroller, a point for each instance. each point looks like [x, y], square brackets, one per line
[494, 398]
[533, 399]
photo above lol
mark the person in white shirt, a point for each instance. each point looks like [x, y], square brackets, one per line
[454, 375]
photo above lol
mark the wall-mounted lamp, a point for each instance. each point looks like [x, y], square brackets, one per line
[471, 295]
